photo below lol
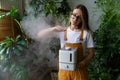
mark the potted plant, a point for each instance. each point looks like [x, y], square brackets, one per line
[12, 57]
[10, 25]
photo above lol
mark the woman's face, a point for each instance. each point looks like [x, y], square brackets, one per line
[75, 17]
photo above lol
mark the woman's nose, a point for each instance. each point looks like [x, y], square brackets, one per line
[75, 19]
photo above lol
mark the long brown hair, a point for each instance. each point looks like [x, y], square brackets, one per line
[84, 17]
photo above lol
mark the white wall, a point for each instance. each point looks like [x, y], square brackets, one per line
[94, 13]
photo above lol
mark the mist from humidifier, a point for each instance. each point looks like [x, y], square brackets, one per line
[32, 26]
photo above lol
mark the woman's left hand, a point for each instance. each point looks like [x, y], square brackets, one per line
[81, 64]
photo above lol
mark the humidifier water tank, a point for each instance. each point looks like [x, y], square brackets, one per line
[67, 59]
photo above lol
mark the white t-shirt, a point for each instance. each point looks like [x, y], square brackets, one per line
[74, 37]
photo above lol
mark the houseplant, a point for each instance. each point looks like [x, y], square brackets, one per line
[12, 12]
[12, 55]
[59, 9]
[12, 58]
[105, 65]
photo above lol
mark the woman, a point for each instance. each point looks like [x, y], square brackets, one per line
[77, 35]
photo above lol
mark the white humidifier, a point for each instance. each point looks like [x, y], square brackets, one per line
[67, 58]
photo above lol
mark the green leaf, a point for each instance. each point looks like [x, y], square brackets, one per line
[21, 42]
[16, 51]
[20, 47]
[12, 68]
[18, 38]
[13, 11]
[5, 69]
[2, 51]
[8, 50]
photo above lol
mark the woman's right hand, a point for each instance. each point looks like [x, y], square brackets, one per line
[50, 31]
[58, 28]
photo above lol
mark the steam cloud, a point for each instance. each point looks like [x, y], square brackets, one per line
[32, 25]
[45, 59]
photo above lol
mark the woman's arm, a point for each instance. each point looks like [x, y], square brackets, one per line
[89, 56]
[50, 32]
[90, 47]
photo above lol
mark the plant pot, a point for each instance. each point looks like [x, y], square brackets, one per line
[8, 27]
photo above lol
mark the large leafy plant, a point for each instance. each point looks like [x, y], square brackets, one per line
[57, 8]
[12, 57]
[105, 65]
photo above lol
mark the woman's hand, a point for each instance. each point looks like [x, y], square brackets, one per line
[87, 58]
[50, 32]
[81, 64]
[58, 28]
